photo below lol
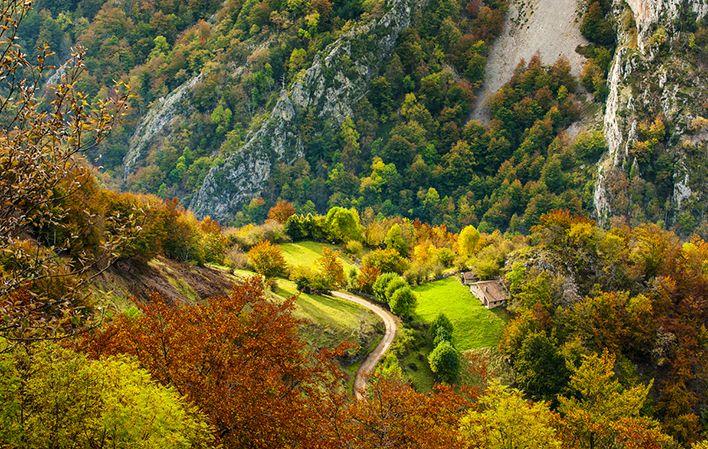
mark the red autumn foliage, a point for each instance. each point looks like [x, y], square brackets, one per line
[240, 359]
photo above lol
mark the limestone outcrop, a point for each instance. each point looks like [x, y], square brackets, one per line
[651, 77]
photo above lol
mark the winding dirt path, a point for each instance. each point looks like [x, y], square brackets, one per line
[391, 322]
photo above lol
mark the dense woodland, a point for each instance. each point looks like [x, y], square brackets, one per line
[605, 343]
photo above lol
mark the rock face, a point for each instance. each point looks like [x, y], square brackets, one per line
[529, 24]
[652, 76]
[338, 77]
[158, 121]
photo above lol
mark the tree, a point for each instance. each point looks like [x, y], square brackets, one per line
[441, 329]
[540, 367]
[400, 237]
[393, 285]
[55, 397]
[467, 241]
[221, 117]
[394, 415]
[386, 260]
[445, 362]
[332, 270]
[281, 211]
[48, 198]
[343, 224]
[601, 413]
[403, 301]
[506, 420]
[267, 260]
[381, 284]
[241, 360]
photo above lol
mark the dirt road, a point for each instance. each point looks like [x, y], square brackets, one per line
[391, 322]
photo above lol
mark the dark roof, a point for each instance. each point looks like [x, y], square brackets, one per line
[489, 291]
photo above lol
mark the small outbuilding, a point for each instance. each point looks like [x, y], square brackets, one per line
[468, 278]
[491, 294]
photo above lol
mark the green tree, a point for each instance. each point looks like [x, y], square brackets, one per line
[221, 117]
[441, 329]
[380, 285]
[540, 367]
[343, 224]
[467, 242]
[403, 301]
[54, 397]
[445, 362]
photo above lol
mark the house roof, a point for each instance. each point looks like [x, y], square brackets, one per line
[489, 291]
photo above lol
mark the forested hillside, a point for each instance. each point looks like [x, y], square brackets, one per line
[237, 103]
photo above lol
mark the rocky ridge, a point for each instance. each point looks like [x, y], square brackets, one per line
[649, 78]
[337, 78]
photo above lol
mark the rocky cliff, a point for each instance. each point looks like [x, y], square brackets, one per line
[653, 123]
[337, 78]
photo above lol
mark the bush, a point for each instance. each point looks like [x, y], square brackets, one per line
[303, 227]
[403, 301]
[343, 224]
[445, 362]
[236, 258]
[250, 235]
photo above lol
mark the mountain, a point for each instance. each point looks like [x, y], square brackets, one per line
[392, 105]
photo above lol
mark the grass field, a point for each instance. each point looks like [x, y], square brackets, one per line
[330, 320]
[306, 254]
[475, 326]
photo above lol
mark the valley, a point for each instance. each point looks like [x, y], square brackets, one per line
[371, 224]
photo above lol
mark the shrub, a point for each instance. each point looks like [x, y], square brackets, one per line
[250, 235]
[403, 301]
[183, 237]
[303, 227]
[281, 211]
[267, 260]
[445, 362]
[236, 258]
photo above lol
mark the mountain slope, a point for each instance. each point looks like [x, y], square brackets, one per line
[338, 77]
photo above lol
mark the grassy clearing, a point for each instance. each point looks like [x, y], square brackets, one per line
[306, 254]
[475, 326]
[329, 320]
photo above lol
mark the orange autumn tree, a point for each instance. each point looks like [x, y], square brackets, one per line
[394, 415]
[240, 360]
[281, 211]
